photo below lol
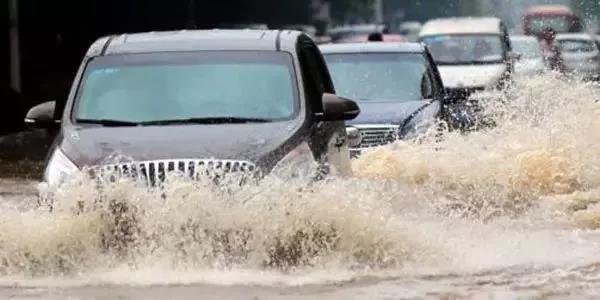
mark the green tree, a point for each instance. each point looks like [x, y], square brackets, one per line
[343, 11]
[423, 10]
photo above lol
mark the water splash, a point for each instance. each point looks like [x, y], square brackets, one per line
[466, 203]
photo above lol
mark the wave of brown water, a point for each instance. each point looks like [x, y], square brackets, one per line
[519, 200]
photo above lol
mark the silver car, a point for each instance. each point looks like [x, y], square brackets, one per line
[531, 58]
[580, 54]
[398, 87]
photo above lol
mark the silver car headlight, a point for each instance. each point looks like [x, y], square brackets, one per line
[59, 167]
[354, 136]
[421, 123]
[414, 129]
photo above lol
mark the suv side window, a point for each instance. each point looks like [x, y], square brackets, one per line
[316, 76]
[435, 83]
[505, 38]
[427, 86]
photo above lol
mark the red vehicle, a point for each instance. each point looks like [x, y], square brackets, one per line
[559, 17]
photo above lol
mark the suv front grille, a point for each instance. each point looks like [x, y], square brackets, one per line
[156, 171]
[377, 135]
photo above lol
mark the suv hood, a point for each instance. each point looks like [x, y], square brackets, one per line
[469, 76]
[379, 112]
[88, 146]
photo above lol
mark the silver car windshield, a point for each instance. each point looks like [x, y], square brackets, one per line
[143, 88]
[397, 77]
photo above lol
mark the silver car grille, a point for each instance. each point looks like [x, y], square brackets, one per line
[377, 135]
[156, 171]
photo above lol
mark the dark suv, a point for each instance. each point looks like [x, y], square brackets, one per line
[398, 88]
[189, 101]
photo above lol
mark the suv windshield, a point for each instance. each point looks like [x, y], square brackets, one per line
[465, 49]
[161, 87]
[399, 77]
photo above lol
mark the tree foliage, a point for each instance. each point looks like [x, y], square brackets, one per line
[343, 11]
[422, 10]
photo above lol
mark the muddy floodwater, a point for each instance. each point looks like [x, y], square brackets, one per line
[509, 212]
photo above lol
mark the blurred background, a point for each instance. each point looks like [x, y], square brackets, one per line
[47, 39]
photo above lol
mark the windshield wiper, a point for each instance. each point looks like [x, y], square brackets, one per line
[208, 120]
[107, 122]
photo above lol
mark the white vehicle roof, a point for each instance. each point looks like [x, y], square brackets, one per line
[524, 38]
[575, 36]
[462, 25]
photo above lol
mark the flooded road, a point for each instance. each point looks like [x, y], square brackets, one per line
[510, 212]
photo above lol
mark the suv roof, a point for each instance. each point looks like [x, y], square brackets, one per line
[462, 25]
[195, 40]
[372, 47]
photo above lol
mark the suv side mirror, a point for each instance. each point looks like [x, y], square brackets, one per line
[339, 109]
[42, 116]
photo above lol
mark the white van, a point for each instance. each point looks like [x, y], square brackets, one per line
[472, 53]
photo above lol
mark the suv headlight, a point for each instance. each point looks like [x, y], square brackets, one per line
[418, 125]
[354, 136]
[58, 168]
